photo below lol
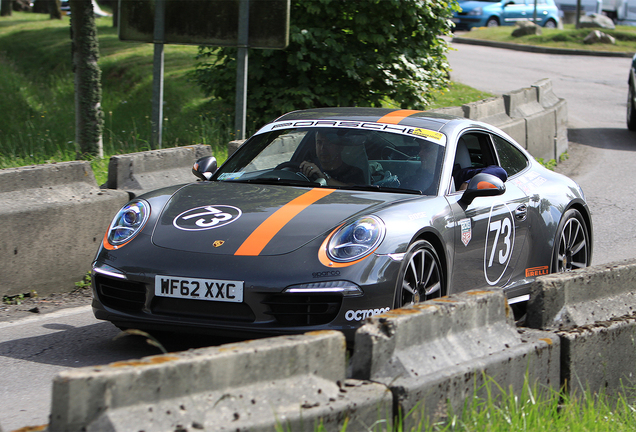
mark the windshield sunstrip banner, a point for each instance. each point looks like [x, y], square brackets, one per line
[436, 137]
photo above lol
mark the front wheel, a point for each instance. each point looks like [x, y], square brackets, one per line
[631, 110]
[492, 22]
[421, 277]
[551, 24]
[572, 248]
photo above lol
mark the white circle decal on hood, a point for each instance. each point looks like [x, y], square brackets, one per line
[206, 217]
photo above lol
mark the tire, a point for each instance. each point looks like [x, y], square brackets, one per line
[421, 276]
[631, 110]
[492, 22]
[572, 247]
[551, 24]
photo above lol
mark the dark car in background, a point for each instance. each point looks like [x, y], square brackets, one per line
[493, 13]
[328, 216]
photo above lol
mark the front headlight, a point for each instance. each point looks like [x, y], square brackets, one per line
[475, 12]
[127, 223]
[356, 239]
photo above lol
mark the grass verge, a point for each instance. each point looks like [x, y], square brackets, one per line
[568, 37]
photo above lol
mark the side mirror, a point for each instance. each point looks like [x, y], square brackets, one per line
[508, 3]
[205, 168]
[483, 185]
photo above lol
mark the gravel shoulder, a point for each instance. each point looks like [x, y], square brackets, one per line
[17, 309]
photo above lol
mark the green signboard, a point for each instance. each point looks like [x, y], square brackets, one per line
[207, 22]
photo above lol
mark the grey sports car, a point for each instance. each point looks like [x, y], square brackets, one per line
[325, 217]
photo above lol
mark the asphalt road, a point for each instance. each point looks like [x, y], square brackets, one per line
[602, 152]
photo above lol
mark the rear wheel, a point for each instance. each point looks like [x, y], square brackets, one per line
[421, 277]
[572, 248]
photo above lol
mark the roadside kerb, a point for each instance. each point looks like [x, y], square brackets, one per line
[52, 219]
[146, 171]
[440, 353]
[296, 382]
[593, 312]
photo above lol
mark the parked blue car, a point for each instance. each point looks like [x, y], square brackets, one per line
[492, 13]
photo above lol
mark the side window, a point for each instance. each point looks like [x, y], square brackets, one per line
[510, 158]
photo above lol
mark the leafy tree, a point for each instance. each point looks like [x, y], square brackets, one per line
[89, 118]
[341, 53]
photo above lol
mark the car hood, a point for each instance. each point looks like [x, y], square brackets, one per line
[232, 218]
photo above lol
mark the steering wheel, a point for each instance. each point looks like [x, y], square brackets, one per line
[292, 167]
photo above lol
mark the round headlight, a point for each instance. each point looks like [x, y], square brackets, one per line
[356, 239]
[128, 222]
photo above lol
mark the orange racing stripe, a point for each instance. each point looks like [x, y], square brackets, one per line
[396, 116]
[254, 244]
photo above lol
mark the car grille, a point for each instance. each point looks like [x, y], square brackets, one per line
[302, 309]
[120, 294]
[203, 309]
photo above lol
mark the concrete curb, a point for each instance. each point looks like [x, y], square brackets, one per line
[538, 49]
[593, 312]
[46, 240]
[441, 352]
[296, 382]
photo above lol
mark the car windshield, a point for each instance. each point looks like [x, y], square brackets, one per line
[339, 157]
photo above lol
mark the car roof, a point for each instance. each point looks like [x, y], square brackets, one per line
[419, 119]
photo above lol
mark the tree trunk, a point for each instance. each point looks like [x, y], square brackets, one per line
[54, 9]
[89, 118]
[6, 7]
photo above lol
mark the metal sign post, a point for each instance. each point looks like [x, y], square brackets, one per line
[240, 111]
[157, 74]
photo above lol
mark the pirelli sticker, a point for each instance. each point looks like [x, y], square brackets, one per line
[429, 134]
[537, 271]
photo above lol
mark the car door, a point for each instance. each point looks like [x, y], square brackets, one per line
[515, 10]
[490, 232]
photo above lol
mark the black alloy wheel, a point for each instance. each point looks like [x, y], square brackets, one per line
[572, 248]
[421, 277]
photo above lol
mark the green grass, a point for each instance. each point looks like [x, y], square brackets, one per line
[568, 37]
[37, 104]
[37, 112]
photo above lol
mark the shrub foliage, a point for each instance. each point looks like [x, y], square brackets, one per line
[341, 53]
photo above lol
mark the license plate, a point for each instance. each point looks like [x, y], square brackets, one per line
[199, 289]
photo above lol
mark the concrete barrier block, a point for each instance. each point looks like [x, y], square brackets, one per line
[492, 111]
[439, 353]
[593, 311]
[599, 357]
[145, 171]
[584, 297]
[522, 103]
[52, 219]
[296, 382]
[454, 111]
[545, 93]
[233, 146]
[541, 133]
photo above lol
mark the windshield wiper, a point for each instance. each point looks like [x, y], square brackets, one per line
[377, 188]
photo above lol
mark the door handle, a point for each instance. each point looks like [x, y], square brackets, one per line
[521, 212]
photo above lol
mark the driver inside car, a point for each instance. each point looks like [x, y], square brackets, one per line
[330, 167]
